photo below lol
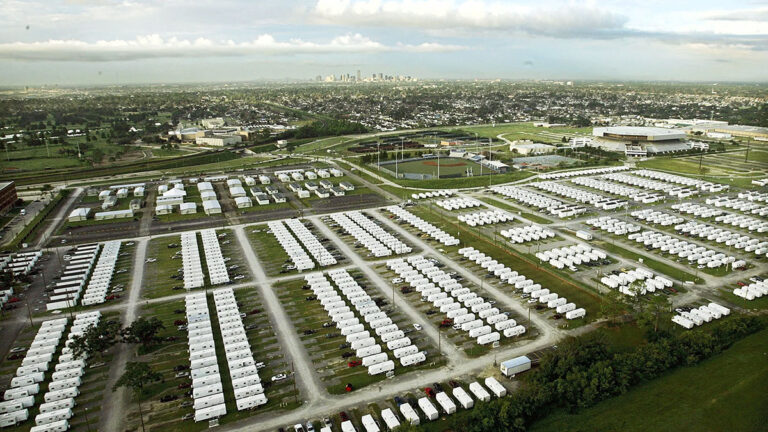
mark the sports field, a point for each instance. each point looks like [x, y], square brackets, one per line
[448, 167]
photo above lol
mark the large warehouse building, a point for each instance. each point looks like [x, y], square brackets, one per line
[640, 141]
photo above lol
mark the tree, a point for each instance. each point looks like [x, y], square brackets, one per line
[137, 375]
[96, 339]
[143, 331]
[612, 306]
[653, 310]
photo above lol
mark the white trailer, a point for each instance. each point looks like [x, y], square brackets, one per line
[347, 426]
[390, 419]
[479, 391]
[381, 367]
[59, 426]
[464, 399]
[445, 402]
[496, 387]
[409, 414]
[369, 423]
[428, 409]
[208, 413]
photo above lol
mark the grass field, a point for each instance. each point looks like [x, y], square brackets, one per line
[723, 393]
[448, 167]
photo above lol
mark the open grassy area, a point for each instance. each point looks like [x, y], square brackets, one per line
[723, 393]
[447, 167]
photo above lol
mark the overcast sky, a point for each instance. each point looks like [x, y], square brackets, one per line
[140, 41]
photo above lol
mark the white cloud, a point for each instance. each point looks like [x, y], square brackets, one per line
[154, 46]
[569, 20]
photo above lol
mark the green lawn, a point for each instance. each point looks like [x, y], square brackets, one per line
[448, 166]
[723, 393]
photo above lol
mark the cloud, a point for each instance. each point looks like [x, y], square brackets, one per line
[469, 16]
[154, 46]
[492, 18]
[758, 14]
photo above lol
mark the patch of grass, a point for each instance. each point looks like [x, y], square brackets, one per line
[723, 393]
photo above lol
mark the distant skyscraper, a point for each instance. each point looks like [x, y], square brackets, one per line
[359, 77]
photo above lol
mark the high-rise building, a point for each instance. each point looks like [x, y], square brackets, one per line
[359, 77]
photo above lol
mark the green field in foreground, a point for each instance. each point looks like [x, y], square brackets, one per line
[723, 393]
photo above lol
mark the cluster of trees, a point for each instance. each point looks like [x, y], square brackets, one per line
[583, 371]
[322, 128]
[96, 340]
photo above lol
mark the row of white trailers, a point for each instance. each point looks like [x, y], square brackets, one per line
[433, 194]
[582, 196]
[191, 264]
[214, 260]
[694, 253]
[19, 263]
[583, 172]
[729, 238]
[488, 217]
[628, 282]
[637, 195]
[669, 189]
[569, 256]
[752, 291]
[458, 203]
[698, 210]
[350, 326]
[428, 409]
[698, 316]
[101, 277]
[743, 222]
[300, 175]
[682, 180]
[613, 225]
[527, 233]
[657, 217]
[519, 281]
[423, 226]
[66, 292]
[66, 380]
[58, 401]
[744, 205]
[249, 392]
[208, 394]
[552, 206]
[379, 242]
[754, 195]
[25, 384]
[475, 315]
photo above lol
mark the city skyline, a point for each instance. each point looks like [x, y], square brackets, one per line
[79, 42]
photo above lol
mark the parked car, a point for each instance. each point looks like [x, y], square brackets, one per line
[354, 363]
[279, 377]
